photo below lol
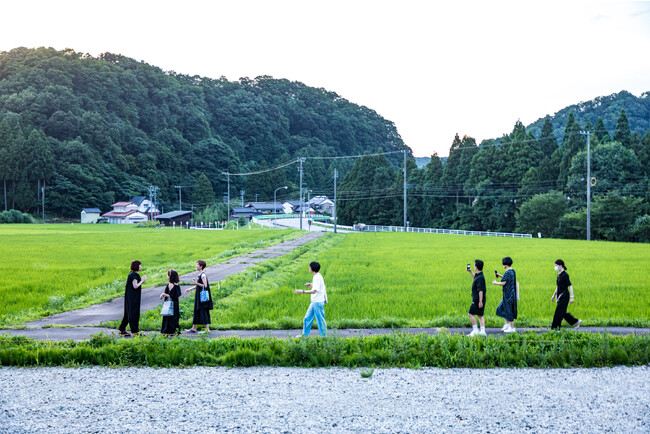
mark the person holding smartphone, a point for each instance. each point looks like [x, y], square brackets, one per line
[478, 298]
[507, 309]
[318, 300]
[563, 295]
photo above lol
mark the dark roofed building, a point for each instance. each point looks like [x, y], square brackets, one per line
[245, 211]
[175, 218]
[265, 207]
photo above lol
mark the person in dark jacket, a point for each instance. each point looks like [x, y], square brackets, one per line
[132, 295]
[172, 292]
[201, 309]
[563, 295]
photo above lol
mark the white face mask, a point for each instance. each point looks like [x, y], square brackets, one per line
[557, 267]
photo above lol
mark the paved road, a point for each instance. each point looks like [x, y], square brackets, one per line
[114, 309]
[86, 332]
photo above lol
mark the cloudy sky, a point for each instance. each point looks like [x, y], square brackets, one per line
[434, 69]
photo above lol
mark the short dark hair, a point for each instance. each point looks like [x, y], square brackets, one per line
[561, 262]
[507, 261]
[202, 264]
[479, 264]
[315, 266]
[173, 276]
[135, 265]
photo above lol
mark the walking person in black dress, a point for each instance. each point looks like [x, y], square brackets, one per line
[172, 292]
[201, 310]
[507, 309]
[132, 295]
[563, 295]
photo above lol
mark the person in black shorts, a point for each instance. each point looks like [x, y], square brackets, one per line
[478, 298]
[563, 295]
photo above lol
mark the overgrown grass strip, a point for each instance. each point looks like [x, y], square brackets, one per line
[550, 350]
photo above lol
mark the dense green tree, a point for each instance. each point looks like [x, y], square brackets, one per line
[572, 143]
[368, 193]
[547, 140]
[622, 133]
[542, 213]
[614, 167]
[203, 193]
[600, 131]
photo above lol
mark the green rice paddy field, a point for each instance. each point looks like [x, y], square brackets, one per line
[373, 280]
[46, 269]
[400, 280]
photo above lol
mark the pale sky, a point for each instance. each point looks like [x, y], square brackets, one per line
[434, 69]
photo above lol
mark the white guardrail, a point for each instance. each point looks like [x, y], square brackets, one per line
[375, 228]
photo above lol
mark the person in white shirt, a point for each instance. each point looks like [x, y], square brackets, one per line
[318, 301]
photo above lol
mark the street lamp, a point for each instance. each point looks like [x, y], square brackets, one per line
[275, 206]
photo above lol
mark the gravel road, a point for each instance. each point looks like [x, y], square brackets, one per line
[76, 400]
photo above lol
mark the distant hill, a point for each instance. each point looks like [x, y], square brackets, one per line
[637, 110]
[114, 125]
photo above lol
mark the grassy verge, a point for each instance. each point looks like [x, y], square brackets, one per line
[551, 350]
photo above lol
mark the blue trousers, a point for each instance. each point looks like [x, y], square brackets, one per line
[317, 311]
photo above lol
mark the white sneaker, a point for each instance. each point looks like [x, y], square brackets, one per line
[298, 336]
[473, 333]
[482, 333]
[510, 330]
[505, 327]
[578, 324]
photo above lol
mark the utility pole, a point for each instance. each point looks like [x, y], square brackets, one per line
[336, 175]
[588, 134]
[43, 199]
[228, 210]
[300, 160]
[153, 192]
[180, 188]
[404, 152]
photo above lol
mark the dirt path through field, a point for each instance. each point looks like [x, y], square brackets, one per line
[114, 309]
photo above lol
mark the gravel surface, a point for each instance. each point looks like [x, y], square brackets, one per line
[323, 400]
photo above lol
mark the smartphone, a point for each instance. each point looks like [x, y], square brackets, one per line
[468, 267]
[496, 274]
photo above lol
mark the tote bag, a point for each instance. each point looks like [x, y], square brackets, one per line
[167, 308]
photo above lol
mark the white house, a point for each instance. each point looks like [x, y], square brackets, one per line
[90, 215]
[125, 213]
[145, 206]
[322, 204]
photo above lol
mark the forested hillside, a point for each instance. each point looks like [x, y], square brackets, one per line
[99, 130]
[522, 182]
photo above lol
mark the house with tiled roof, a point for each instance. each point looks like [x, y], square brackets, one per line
[125, 213]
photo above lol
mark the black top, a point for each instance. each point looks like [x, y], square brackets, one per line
[563, 283]
[129, 281]
[477, 286]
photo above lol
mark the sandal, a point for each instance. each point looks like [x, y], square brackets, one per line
[190, 331]
[125, 333]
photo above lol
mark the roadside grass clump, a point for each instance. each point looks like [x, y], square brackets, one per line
[530, 350]
[45, 269]
[397, 280]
